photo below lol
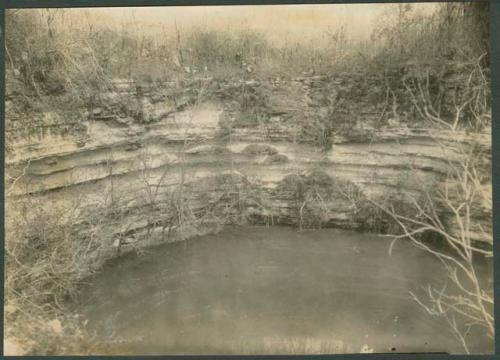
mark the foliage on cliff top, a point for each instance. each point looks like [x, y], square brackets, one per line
[53, 65]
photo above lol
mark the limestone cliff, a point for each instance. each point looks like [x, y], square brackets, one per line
[200, 148]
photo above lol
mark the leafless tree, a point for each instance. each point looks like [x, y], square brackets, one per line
[451, 209]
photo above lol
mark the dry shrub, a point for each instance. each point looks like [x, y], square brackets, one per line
[49, 251]
[229, 50]
[309, 194]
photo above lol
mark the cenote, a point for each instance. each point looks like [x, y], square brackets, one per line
[258, 290]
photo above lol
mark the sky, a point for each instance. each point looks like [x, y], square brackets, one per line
[277, 21]
[280, 23]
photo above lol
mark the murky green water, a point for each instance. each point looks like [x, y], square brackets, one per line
[250, 290]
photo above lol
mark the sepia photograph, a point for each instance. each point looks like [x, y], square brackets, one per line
[248, 180]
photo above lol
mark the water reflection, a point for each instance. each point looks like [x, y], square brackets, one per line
[270, 290]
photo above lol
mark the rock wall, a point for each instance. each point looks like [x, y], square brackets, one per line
[194, 147]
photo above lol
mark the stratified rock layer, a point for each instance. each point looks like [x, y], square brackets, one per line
[184, 147]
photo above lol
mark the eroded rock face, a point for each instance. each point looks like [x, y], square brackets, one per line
[235, 171]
